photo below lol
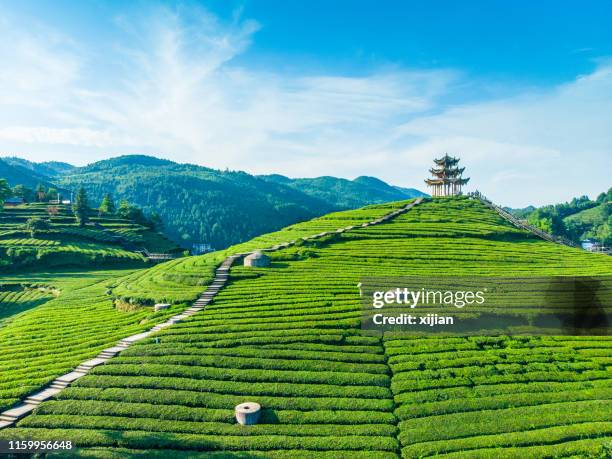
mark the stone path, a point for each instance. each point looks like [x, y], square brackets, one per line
[522, 224]
[9, 417]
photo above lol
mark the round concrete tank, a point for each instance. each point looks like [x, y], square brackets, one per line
[248, 413]
[257, 260]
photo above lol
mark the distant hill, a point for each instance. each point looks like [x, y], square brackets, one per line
[16, 174]
[49, 169]
[346, 194]
[202, 205]
[579, 219]
[520, 212]
[197, 204]
[411, 192]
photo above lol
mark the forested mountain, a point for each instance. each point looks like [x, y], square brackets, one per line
[202, 205]
[343, 193]
[47, 169]
[578, 219]
[16, 174]
[197, 204]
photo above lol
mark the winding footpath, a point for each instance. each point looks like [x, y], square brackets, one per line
[10, 416]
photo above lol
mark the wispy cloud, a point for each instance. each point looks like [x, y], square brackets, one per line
[175, 89]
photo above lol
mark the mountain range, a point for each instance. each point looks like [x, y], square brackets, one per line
[202, 205]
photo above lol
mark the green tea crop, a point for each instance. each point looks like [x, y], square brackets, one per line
[288, 337]
[102, 243]
[51, 322]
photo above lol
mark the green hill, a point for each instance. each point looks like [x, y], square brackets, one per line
[346, 193]
[105, 241]
[288, 337]
[197, 204]
[594, 223]
[48, 169]
[579, 219]
[203, 205]
[16, 174]
[593, 216]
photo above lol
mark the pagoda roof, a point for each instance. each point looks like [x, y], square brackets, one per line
[446, 160]
[447, 172]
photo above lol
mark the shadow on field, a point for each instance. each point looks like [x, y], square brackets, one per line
[584, 301]
[11, 308]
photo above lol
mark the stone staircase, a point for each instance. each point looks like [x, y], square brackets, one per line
[522, 224]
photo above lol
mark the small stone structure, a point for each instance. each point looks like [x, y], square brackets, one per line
[160, 306]
[248, 413]
[257, 260]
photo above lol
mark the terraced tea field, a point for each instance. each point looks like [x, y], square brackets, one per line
[15, 298]
[79, 323]
[51, 322]
[288, 338]
[107, 241]
[182, 280]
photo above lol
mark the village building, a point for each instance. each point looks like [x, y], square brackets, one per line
[12, 202]
[200, 248]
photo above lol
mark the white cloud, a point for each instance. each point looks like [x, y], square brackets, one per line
[537, 147]
[171, 85]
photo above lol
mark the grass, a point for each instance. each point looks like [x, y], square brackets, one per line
[288, 337]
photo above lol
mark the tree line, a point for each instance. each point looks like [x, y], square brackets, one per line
[553, 218]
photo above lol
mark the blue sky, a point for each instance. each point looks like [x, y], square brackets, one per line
[522, 91]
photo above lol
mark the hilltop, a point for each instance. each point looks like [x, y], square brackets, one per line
[48, 169]
[288, 337]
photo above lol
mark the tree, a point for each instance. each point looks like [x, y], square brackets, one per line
[34, 225]
[41, 193]
[52, 194]
[604, 234]
[605, 197]
[124, 209]
[133, 213]
[80, 207]
[5, 191]
[156, 222]
[21, 191]
[107, 206]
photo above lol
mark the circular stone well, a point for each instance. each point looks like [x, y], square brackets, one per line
[248, 413]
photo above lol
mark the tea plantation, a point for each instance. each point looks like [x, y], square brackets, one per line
[182, 280]
[105, 241]
[288, 337]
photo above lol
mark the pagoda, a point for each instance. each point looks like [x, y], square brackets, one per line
[446, 177]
